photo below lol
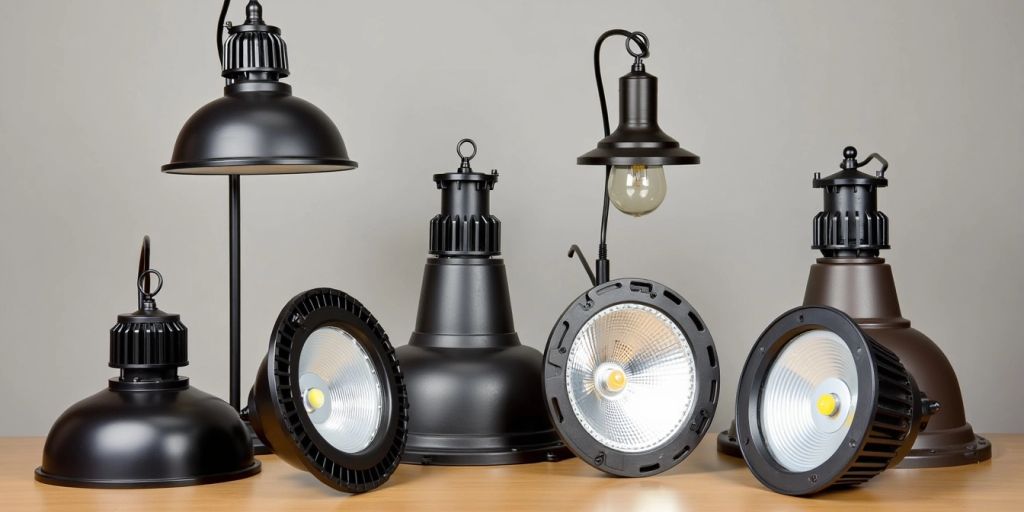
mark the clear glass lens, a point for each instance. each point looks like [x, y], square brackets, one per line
[637, 189]
[342, 393]
[631, 378]
[808, 400]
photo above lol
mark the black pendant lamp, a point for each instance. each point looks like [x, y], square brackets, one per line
[149, 428]
[851, 232]
[630, 370]
[258, 127]
[474, 390]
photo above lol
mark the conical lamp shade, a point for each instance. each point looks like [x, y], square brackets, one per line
[638, 140]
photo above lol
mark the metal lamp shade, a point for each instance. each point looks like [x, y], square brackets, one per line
[638, 140]
[258, 128]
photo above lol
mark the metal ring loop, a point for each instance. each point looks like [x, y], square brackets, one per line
[641, 40]
[458, 148]
[159, 282]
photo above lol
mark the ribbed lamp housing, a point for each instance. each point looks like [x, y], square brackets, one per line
[255, 47]
[465, 226]
[895, 415]
[147, 339]
[850, 224]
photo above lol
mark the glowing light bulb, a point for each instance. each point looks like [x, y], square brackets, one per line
[637, 189]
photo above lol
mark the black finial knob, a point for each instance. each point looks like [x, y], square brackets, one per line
[254, 13]
[849, 158]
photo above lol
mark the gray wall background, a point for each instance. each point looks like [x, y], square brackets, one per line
[94, 93]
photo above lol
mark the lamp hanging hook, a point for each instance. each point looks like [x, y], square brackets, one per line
[465, 158]
[642, 42]
[576, 251]
[146, 301]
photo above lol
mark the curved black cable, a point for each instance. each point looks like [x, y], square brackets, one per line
[220, 30]
[641, 40]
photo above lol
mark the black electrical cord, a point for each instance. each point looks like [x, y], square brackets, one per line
[220, 30]
[641, 40]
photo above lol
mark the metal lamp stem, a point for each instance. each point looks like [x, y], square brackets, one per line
[234, 250]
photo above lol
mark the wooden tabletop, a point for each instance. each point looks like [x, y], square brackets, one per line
[705, 481]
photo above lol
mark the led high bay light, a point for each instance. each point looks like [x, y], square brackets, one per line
[820, 403]
[850, 232]
[630, 373]
[329, 396]
[474, 389]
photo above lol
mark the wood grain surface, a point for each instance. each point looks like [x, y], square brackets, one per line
[706, 481]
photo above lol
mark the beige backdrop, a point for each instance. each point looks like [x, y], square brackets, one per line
[93, 94]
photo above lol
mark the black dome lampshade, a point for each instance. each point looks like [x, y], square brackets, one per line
[821, 403]
[149, 428]
[851, 232]
[258, 127]
[474, 390]
[329, 397]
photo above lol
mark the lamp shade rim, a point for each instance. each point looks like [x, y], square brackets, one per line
[644, 156]
[248, 166]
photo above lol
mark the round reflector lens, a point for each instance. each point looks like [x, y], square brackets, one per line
[631, 378]
[342, 392]
[809, 396]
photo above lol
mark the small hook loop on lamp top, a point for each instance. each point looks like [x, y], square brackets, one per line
[465, 158]
[146, 294]
[642, 42]
[458, 149]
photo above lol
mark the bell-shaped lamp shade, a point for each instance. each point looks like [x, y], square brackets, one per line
[638, 140]
[258, 127]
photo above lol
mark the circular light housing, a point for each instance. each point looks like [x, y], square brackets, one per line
[631, 377]
[820, 404]
[329, 397]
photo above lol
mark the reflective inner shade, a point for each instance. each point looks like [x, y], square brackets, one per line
[631, 378]
[808, 400]
[342, 392]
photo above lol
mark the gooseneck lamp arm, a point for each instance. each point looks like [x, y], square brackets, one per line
[602, 264]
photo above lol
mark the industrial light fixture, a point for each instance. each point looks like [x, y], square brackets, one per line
[474, 389]
[850, 232]
[329, 396]
[822, 404]
[630, 374]
[149, 428]
[258, 127]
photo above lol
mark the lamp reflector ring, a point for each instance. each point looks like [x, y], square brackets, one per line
[815, 368]
[631, 377]
[342, 391]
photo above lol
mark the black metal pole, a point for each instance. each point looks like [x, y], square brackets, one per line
[234, 201]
